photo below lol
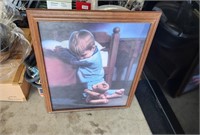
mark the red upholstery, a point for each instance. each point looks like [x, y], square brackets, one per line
[59, 73]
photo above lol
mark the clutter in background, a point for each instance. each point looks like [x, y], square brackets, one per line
[59, 4]
[31, 74]
[83, 5]
[14, 47]
[131, 5]
[22, 5]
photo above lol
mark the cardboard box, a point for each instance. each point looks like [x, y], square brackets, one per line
[27, 34]
[15, 88]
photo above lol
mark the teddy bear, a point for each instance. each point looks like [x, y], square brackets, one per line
[100, 93]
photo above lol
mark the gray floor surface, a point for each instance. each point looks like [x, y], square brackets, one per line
[31, 118]
[186, 109]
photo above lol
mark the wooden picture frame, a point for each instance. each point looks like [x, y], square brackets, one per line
[125, 37]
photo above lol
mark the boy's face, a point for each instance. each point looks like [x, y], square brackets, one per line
[87, 41]
[87, 54]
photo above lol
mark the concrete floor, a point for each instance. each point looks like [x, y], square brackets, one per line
[31, 118]
[186, 109]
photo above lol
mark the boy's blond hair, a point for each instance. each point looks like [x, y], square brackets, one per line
[75, 45]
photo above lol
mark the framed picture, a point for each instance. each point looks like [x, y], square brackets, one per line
[90, 59]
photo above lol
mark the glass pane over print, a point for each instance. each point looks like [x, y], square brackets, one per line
[91, 64]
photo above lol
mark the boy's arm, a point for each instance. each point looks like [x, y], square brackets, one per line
[79, 63]
[64, 54]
